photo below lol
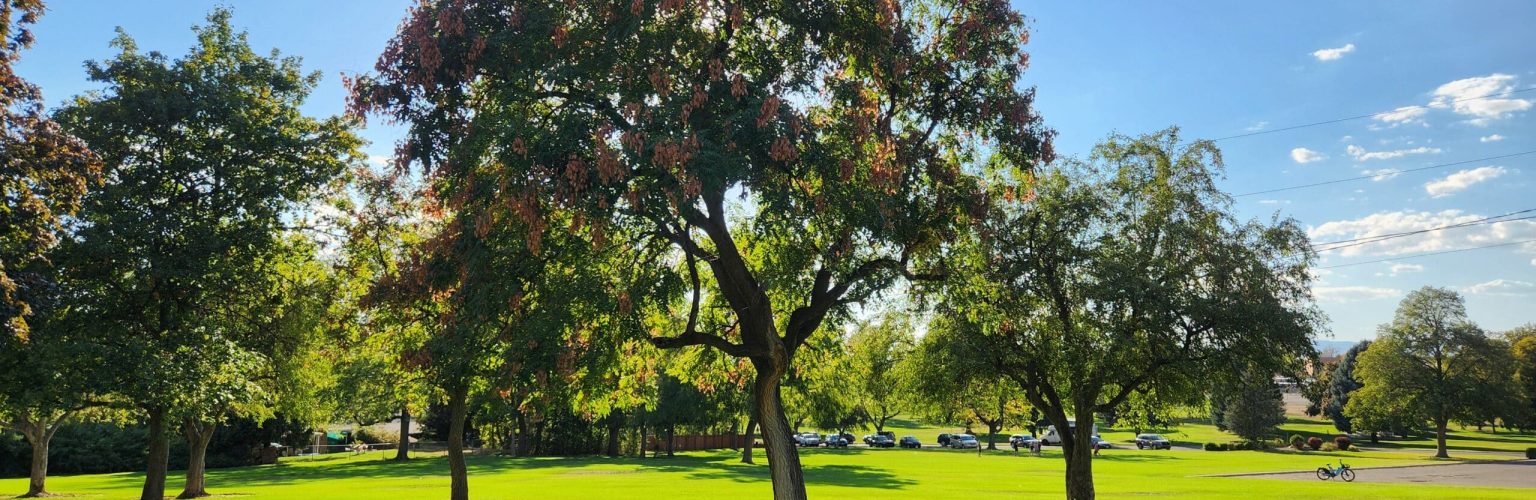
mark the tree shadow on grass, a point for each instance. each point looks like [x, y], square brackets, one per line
[715, 466]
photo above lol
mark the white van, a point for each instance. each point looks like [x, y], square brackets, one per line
[1054, 439]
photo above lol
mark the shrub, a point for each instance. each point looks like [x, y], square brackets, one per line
[1314, 442]
[1213, 447]
[1342, 443]
[1530, 453]
[1298, 442]
[375, 436]
[1329, 447]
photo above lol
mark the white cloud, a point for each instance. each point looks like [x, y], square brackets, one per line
[1403, 115]
[1500, 287]
[1381, 174]
[1274, 202]
[1383, 223]
[1398, 268]
[1361, 154]
[1490, 138]
[1460, 181]
[1257, 126]
[1333, 54]
[380, 160]
[1347, 294]
[1304, 155]
[1461, 96]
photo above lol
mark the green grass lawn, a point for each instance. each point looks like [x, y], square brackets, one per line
[850, 473]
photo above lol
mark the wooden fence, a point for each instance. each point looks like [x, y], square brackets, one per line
[694, 443]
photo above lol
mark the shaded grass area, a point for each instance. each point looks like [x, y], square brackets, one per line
[843, 473]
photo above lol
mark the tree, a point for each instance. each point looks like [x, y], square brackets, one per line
[850, 130]
[1253, 408]
[50, 376]
[878, 350]
[44, 171]
[956, 376]
[1524, 352]
[1315, 388]
[1429, 364]
[1341, 384]
[1086, 285]
[206, 155]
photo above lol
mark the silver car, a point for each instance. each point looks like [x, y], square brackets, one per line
[963, 441]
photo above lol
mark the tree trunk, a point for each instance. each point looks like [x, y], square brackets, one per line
[159, 455]
[403, 448]
[198, 434]
[1077, 448]
[457, 411]
[1440, 451]
[992, 429]
[671, 438]
[746, 448]
[522, 435]
[783, 458]
[39, 433]
[615, 426]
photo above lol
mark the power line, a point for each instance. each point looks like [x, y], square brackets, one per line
[1379, 174]
[1416, 256]
[1372, 115]
[1366, 240]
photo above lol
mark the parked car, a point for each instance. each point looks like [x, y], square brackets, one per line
[879, 441]
[963, 441]
[835, 441]
[1153, 441]
[944, 439]
[847, 437]
[910, 442]
[1103, 445]
[808, 439]
[888, 434]
[1022, 441]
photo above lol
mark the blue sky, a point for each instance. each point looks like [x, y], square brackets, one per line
[1216, 70]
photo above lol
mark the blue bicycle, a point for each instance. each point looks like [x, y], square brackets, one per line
[1343, 471]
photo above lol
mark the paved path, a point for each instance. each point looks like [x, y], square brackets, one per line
[1515, 474]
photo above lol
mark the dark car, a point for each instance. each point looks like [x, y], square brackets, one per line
[879, 441]
[1022, 441]
[835, 441]
[888, 434]
[910, 442]
[847, 437]
[944, 439]
[1153, 441]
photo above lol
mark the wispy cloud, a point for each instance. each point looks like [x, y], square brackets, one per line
[1257, 126]
[1381, 174]
[1490, 138]
[1360, 154]
[1347, 294]
[1460, 181]
[1398, 268]
[1402, 116]
[1274, 202]
[1501, 287]
[1304, 155]
[1333, 54]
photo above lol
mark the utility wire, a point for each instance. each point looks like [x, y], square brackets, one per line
[1392, 173]
[1415, 256]
[1372, 115]
[1366, 240]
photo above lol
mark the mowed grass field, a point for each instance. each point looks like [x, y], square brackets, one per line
[851, 473]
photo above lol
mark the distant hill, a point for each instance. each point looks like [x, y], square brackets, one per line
[1337, 346]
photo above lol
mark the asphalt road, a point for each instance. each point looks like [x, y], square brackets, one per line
[1514, 474]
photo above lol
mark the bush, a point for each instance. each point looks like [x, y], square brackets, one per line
[1530, 453]
[375, 436]
[1329, 447]
[1314, 442]
[1298, 442]
[1342, 443]
[1215, 447]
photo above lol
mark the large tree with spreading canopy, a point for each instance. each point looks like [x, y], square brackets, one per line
[1123, 274]
[799, 155]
